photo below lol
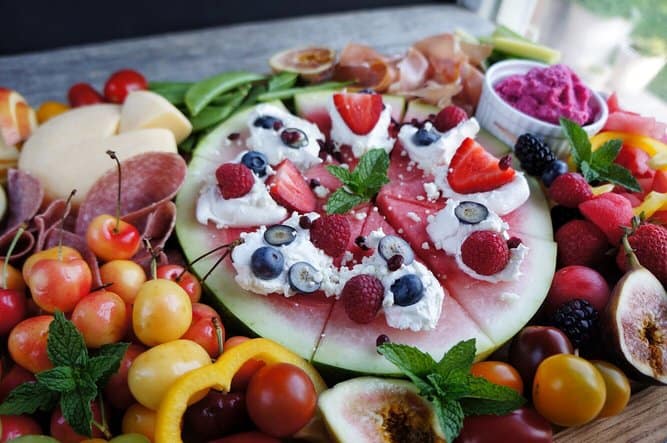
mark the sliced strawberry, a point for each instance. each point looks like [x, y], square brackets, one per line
[473, 169]
[359, 111]
[288, 187]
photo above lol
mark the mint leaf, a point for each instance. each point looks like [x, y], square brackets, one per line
[27, 398]
[450, 416]
[341, 173]
[75, 406]
[607, 153]
[342, 201]
[106, 363]
[65, 345]
[459, 357]
[588, 172]
[581, 146]
[58, 379]
[410, 360]
[488, 398]
[618, 175]
[372, 164]
[283, 80]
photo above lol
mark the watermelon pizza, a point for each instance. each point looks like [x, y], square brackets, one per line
[345, 226]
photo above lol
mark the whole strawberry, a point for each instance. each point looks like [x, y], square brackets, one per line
[362, 297]
[570, 189]
[580, 242]
[234, 180]
[331, 233]
[449, 117]
[485, 252]
[649, 242]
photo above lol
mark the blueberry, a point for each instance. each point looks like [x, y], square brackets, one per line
[425, 137]
[267, 263]
[256, 162]
[294, 138]
[556, 168]
[266, 122]
[392, 245]
[303, 277]
[279, 235]
[471, 213]
[407, 290]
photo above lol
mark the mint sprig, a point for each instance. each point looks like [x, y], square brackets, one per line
[361, 184]
[598, 164]
[74, 382]
[449, 385]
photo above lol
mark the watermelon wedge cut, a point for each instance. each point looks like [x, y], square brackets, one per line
[318, 328]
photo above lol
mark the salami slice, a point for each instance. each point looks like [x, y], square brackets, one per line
[25, 195]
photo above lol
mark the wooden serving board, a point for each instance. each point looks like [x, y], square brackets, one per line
[193, 55]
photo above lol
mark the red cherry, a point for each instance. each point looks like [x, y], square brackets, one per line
[83, 94]
[117, 391]
[14, 426]
[27, 343]
[185, 280]
[112, 240]
[58, 285]
[203, 329]
[121, 83]
[63, 432]
[14, 377]
[13, 309]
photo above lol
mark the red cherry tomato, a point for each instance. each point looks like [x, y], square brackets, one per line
[121, 83]
[83, 94]
[521, 426]
[242, 377]
[281, 399]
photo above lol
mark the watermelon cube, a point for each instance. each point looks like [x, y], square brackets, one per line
[610, 212]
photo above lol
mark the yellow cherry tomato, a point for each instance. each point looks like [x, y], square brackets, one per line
[618, 388]
[138, 419]
[162, 312]
[568, 390]
[50, 109]
[154, 371]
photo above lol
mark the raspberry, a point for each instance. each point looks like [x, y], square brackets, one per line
[485, 252]
[533, 154]
[234, 180]
[649, 242]
[449, 117]
[578, 320]
[580, 242]
[362, 297]
[331, 233]
[570, 189]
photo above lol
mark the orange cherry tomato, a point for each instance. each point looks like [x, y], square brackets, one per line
[618, 388]
[50, 109]
[499, 373]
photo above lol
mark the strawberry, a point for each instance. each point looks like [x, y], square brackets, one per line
[649, 242]
[360, 111]
[570, 189]
[580, 242]
[362, 297]
[234, 180]
[485, 252]
[331, 233]
[288, 188]
[473, 169]
[449, 117]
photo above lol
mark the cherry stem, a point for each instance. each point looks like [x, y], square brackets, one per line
[68, 206]
[229, 246]
[10, 251]
[104, 426]
[218, 334]
[215, 265]
[113, 156]
[154, 254]
[102, 286]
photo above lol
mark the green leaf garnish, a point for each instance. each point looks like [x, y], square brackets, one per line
[598, 164]
[361, 184]
[74, 382]
[449, 385]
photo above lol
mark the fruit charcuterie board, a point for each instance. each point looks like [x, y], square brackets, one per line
[377, 211]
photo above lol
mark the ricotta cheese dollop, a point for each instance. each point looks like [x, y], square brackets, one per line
[378, 138]
[269, 142]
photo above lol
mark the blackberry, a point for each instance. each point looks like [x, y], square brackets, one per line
[535, 156]
[561, 215]
[578, 320]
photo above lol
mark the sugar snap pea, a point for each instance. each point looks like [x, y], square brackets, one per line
[287, 93]
[203, 92]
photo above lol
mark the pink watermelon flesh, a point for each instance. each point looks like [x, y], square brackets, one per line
[610, 212]
[622, 121]
[403, 169]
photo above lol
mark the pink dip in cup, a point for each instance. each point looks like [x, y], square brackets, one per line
[547, 94]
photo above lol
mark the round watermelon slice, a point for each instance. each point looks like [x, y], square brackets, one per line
[318, 328]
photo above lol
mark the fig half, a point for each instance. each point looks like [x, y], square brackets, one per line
[634, 322]
[313, 64]
[379, 410]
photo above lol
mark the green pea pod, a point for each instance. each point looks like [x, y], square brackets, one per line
[212, 115]
[282, 81]
[257, 90]
[291, 92]
[188, 144]
[224, 99]
[174, 92]
[203, 92]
